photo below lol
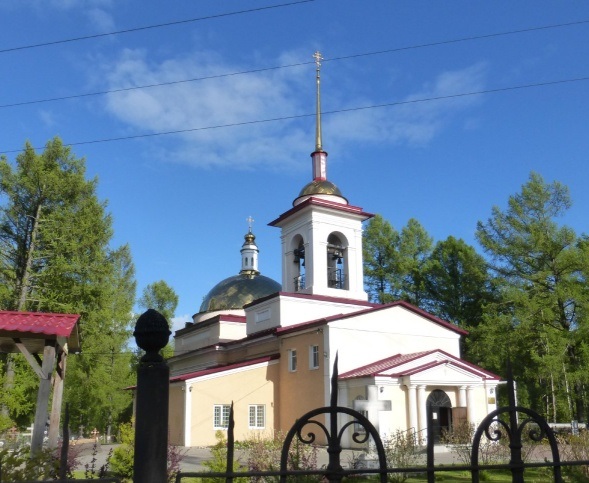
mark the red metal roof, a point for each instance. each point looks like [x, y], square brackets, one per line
[33, 323]
[378, 368]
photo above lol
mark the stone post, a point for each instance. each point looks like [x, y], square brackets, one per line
[151, 400]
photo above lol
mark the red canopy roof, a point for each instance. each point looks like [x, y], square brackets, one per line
[37, 325]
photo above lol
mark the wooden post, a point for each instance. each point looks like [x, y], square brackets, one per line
[151, 417]
[55, 417]
[43, 397]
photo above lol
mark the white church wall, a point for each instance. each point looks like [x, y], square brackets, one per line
[232, 331]
[285, 311]
[376, 335]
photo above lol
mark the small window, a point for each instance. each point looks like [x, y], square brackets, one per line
[221, 416]
[314, 357]
[257, 416]
[292, 360]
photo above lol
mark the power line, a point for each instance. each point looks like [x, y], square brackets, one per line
[148, 27]
[298, 64]
[337, 111]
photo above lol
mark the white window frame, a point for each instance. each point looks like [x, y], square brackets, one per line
[257, 416]
[313, 357]
[292, 360]
[221, 416]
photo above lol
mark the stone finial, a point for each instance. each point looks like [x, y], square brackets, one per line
[152, 333]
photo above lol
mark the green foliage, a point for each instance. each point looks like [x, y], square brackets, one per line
[55, 257]
[122, 459]
[401, 451]
[450, 281]
[218, 461]
[457, 283]
[18, 465]
[380, 258]
[415, 247]
[263, 454]
[395, 263]
[161, 297]
[540, 315]
[5, 423]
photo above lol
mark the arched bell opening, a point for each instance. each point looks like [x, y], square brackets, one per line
[337, 261]
[298, 260]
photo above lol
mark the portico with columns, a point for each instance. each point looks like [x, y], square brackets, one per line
[400, 392]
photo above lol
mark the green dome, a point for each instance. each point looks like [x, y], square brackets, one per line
[237, 291]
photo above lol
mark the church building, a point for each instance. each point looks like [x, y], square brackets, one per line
[269, 348]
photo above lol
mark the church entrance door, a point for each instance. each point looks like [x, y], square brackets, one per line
[439, 413]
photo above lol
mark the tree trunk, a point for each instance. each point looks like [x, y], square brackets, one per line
[26, 275]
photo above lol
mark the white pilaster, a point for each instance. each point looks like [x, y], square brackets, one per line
[462, 397]
[421, 408]
[411, 389]
[470, 407]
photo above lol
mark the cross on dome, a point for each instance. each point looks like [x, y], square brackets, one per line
[250, 222]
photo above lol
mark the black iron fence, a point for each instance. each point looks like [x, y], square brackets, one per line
[509, 425]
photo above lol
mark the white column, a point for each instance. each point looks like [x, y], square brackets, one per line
[470, 405]
[187, 414]
[412, 407]
[462, 397]
[421, 408]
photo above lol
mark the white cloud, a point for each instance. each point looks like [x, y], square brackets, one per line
[411, 121]
[47, 118]
[235, 99]
[179, 322]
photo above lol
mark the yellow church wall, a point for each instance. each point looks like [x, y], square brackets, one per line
[244, 387]
[305, 388]
[259, 348]
[176, 415]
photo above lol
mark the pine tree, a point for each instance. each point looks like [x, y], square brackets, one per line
[380, 253]
[539, 272]
[55, 257]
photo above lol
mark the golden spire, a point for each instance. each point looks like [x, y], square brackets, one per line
[318, 58]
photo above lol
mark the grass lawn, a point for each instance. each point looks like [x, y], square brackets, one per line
[541, 475]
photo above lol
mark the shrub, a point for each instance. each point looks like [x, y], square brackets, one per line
[18, 465]
[218, 461]
[401, 451]
[122, 458]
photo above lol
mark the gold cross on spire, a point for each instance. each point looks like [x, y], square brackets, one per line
[250, 222]
[318, 58]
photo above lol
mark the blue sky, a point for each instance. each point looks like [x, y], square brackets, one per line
[181, 200]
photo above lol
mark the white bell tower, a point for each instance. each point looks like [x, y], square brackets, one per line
[322, 233]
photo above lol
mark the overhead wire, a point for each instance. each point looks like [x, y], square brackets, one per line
[148, 27]
[285, 66]
[335, 111]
